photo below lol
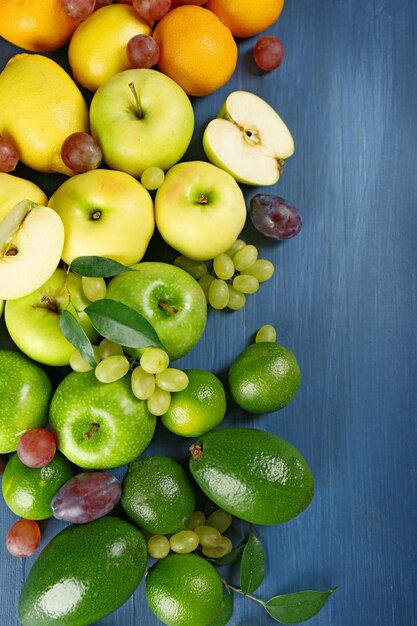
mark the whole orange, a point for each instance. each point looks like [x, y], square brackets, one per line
[246, 17]
[195, 49]
[36, 25]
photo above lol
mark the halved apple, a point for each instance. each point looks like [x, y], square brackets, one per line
[14, 189]
[31, 243]
[248, 139]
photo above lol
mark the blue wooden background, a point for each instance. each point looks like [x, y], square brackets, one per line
[343, 298]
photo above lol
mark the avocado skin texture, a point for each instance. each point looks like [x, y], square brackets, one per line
[252, 474]
[83, 574]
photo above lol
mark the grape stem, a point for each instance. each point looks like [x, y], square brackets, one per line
[247, 595]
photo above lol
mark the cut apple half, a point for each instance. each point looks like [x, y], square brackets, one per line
[31, 243]
[248, 139]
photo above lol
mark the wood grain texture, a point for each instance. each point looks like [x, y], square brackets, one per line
[343, 298]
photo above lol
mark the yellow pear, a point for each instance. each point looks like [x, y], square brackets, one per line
[40, 105]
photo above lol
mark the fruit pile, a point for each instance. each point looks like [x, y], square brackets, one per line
[77, 294]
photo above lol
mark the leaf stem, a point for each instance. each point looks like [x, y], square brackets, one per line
[247, 595]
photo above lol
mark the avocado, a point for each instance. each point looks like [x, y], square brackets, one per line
[84, 573]
[252, 474]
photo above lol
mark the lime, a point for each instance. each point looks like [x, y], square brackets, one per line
[184, 590]
[28, 492]
[198, 408]
[158, 495]
[264, 377]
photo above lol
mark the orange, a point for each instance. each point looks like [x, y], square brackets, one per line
[195, 49]
[36, 25]
[178, 3]
[246, 17]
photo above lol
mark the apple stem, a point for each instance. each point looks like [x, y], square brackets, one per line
[136, 97]
[196, 451]
[168, 307]
[95, 215]
[203, 199]
[94, 428]
[49, 304]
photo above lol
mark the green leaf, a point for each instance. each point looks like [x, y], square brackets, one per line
[75, 334]
[122, 324]
[232, 557]
[294, 608]
[225, 612]
[252, 566]
[97, 266]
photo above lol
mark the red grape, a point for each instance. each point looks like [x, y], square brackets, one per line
[3, 462]
[78, 9]
[23, 538]
[102, 3]
[142, 51]
[36, 448]
[151, 10]
[9, 155]
[81, 152]
[268, 53]
[87, 497]
[274, 217]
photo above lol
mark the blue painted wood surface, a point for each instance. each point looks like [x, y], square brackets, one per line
[343, 298]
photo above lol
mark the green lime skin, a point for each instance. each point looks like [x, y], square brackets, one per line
[252, 474]
[158, 495]
[264, 378]
[25, 392]
[99, 425]
[184, 590]
[83, 574]
[28, 492]
[198, 408]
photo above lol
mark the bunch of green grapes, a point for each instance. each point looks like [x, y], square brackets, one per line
[152, 380]
[235, 274]
[206, 534]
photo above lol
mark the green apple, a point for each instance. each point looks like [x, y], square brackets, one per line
[170, 299]
[99, 425]
[25, 392]
[33, 321]
[141, 118]
[199, 209]
[31, 242]
[248, 139]
[104, 213]
[14, 189]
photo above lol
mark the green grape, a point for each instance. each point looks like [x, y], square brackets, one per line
[158, 403]
[154, 360]
[143, 383]
[197, 518]
[262, 269]
[184, 542]
[245, 257]
[197, 269]
[208, 537]
[109, 348]
[205, 283]
[112, 368]
[238, 245]
[158, 545]
[79, 365]
[225, 547]
[94, 288]
[223, 266]
[172, 380]
[266, 333]
[152, 178]
[218, 294]
[246, 284]
[237, 299]
[220, 520]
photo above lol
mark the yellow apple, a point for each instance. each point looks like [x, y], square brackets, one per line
[105, 213]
